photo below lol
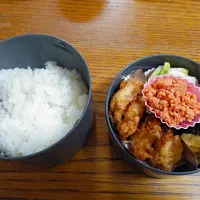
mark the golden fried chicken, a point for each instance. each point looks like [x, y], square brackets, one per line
[123, 83]
[168, 152]
[128, 92]
[132, 116]
[141, 143]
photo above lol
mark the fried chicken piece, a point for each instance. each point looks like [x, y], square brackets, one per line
[123, 83]
[141, 144]
[128, 92]
[136, 108]
[132, 116]
[168, 152]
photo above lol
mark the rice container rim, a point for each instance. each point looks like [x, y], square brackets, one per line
[86, 106]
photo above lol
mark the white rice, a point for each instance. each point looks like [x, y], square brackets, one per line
[38, 107]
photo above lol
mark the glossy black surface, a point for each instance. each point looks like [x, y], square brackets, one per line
[34, 50]
[145, 64]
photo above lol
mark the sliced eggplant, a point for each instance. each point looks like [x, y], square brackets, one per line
[193, 142]
[183, 166]
[189, 156]
[137, 75]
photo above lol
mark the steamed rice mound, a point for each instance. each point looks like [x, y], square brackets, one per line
[38, 107]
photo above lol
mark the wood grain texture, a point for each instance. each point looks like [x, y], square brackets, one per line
[109, 34]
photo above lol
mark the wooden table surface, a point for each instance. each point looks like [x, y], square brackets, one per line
[110, 34]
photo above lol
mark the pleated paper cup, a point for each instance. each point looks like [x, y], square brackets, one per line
[191, 87]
